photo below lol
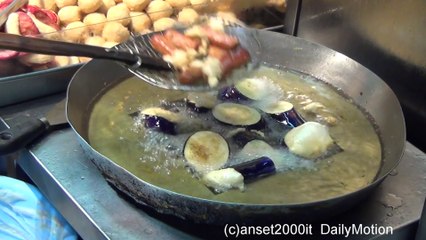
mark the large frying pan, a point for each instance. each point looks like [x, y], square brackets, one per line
[363, 86]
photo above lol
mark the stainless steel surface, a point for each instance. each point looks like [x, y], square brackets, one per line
[28, 86]
[385, 36]
[76, 188]
[369, 92]
[292, 17]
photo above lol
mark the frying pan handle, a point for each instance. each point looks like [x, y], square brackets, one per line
[50, 47]
[23, 131]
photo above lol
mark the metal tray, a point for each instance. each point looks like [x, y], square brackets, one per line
[31, 85]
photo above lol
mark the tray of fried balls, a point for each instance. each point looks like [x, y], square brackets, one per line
[106, 23]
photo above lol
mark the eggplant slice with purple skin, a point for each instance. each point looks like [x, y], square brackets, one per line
[284, 112]
[160, 119]
[256, 168]
[201, 102]
[219, 181]
[238, 115]
[230, 93]
[241, 138]
[249, 89]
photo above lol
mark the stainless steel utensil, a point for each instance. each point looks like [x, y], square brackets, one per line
[50, 47]
[137, 55]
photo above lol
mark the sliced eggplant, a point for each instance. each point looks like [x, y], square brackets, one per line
[249, 89]
[285, 113]
[222, 180]
[256, 149]
[253, 88]
[173, 106]
[160, 119]
[241, 138]
[310, 140]
[230, 93]
[201, 102]
[256, 168]
[206, 151]
[237, 115]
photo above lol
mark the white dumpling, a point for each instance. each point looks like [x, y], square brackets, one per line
[224, 179]
[309, 140]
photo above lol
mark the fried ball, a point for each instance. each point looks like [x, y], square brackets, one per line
[106, 4]
[95, 22]
[89, 6]
[64, 3]
[136, 5]
[163, 23]
[178, 3]
[140, 22]
[199, 4]
[187, 16]
[115, 32]
[119, 12]
[118, 1]
[95, 41]
[159, 9]
[76, 32]
[110, 44]
[45, 4]
[69, 14]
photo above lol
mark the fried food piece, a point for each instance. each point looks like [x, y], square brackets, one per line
[140, 22]
[115, 32]
[95, 22]
[136, 5]
[187, 16]
[163, 23]
[119, 13]
[158, 9]
[69, 14]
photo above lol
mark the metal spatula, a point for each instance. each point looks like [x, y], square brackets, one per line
[50, 47]
[137, 55]
[140, 45]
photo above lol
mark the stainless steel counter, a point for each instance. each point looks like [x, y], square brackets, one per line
[76, 188]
